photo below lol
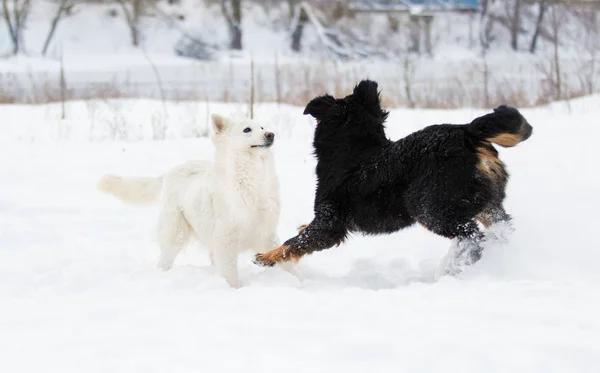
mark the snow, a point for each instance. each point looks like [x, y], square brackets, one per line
[100, 62]
[80, 291]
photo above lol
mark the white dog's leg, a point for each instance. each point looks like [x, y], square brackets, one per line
[226, 262]
[225, 255]
[173, 235]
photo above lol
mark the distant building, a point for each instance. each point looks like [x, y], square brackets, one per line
[413, 6]
[421, 15]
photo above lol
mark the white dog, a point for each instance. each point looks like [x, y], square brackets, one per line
[230, 205]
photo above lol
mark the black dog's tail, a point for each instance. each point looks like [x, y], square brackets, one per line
[505, 127]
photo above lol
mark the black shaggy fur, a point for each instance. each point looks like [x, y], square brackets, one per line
[444, 177]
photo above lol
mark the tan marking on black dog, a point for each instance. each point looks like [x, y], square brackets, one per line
[278, 255]
[301, 228]
[483, 219]
[489, 163]
[507, 140]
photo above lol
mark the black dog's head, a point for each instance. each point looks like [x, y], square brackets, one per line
[364, 98]
[357, 118]
[513, 121]
[505, 126]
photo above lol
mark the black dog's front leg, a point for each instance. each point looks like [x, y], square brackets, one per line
[325, 231]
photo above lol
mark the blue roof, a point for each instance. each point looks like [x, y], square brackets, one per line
[408, 5]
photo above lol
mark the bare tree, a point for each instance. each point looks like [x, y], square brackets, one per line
[485, 5]
[63, 86]
[252, 87]
[414, 32]
[485, 72]
[557, 16]
[232, 11]
[588, 43]
[64, 6]
[133, 14]
[543, 5]
[16, 20]
[555, 45]
[486, 25]
[514, 20]
[298, 20]
[409, 77]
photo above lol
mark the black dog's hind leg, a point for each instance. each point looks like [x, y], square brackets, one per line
[493, 214]
[468, 248]
[325, 231]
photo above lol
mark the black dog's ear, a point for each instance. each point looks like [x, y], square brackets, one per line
[319, 106]
[508, 114]
[506, 110]
[502, 107]
[366, 93]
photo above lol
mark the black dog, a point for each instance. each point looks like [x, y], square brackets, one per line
[444, 177]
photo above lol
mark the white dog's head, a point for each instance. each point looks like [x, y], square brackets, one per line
[240, 134]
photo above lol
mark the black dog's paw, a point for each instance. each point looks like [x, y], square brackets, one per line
[261, 261]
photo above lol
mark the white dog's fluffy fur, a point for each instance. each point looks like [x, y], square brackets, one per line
[230, 205]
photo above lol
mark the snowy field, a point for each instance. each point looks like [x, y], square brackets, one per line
[80, 292]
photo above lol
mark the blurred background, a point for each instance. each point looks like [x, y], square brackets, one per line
[424, 53]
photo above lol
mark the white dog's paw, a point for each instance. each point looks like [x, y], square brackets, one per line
[234, 283]
[165, 265]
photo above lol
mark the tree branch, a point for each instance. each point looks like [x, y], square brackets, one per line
[8, 20]
[24, 12]
[128, 16]
[132, 18]
[16, 23]
[538, 26]
[229, 17]
[64, 4]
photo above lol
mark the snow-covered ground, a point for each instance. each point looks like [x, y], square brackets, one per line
[80, 292]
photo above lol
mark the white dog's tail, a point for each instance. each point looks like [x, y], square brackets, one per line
[134, 190]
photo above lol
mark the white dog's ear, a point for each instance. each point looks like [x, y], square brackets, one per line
[220, 123]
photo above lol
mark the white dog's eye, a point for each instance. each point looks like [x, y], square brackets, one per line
[247, 129]
[261, 128]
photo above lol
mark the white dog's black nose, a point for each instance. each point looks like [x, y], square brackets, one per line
[270, 136]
